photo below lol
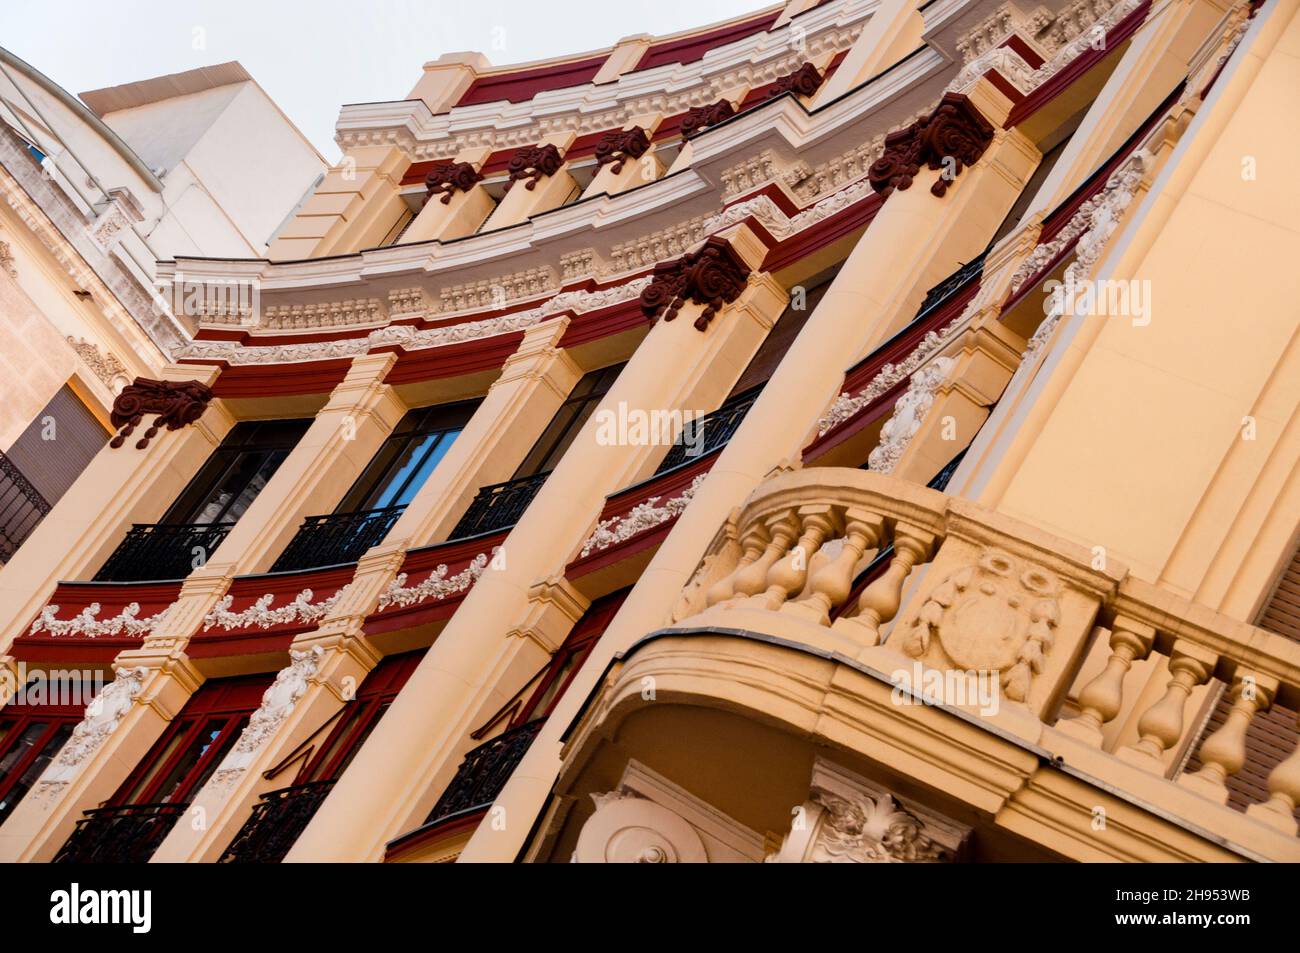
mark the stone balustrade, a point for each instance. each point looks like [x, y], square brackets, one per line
[971, 593]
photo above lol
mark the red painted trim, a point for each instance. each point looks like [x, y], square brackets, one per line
[844, 222]
[71, 598]
[451, 360]
[246, 590]
[692, 48]
[522, 85]
[277, 380]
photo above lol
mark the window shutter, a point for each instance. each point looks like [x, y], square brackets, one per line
[52, 466]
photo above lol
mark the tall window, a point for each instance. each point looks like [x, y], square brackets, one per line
[568, 420]
[237, 472]
[30, 738]
[404, 462]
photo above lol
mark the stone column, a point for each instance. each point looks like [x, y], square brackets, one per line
[457, 211]
[345, 434]
[120, 486]
[909, 246]
[677, 366]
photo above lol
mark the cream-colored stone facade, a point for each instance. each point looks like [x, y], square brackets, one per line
[984, 551]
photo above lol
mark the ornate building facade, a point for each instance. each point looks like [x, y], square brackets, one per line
[861, 431]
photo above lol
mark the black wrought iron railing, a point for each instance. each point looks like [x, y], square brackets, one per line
[127, 834]
[710, 432]
[484, 772]
[336, 538]
[945, 289]
[498, 506]
[162, 551]
[275, 823]
[21, 507]
[940, 481]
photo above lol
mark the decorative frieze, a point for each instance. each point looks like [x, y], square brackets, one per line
[437, 585]
[177, 404]
[410, 303]
[260, 614]
[111, 372]
[699, 118]
[992, 31]
[645, 515]
[849, 405]
[1081, 27]
[955, 135]
[87, 623]
[447, 178]
[103, 715]
[712, 276]
[330, 314]
[495, 293]
[533, 163]
[618, 145]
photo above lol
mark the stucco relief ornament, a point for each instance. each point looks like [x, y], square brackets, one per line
[532, 163]
[88, 624]
[909, 414]
[952, 137]
[641, 517]
[261, 615]
[871, 831]
[996, 616]
[176, 403]
[804, 81]
[618, 145]
[699, 118]
[436, 585]
[103, 715]
[447, 178]
[712, 276]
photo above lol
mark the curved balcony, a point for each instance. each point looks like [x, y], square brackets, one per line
[275, 823]
[162, 551]
[993, 682]
[127, 834]
[336, 538]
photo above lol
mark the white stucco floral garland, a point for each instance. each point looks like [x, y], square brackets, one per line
[641, 517]
[849, 405]
[437, 585]
[262, 616]
[88, 624]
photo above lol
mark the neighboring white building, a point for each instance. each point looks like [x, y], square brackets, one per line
[93, 193]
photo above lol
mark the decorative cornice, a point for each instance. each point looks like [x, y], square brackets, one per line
[332, 314]
[410, 339]
[260, 614]
[643, 516]
[712, 276]
[618, 145]
[177, 404]
[531, 163]
[955, 135]
[447, 178]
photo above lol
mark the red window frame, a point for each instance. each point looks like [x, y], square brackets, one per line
[219, 709]
[15, 722]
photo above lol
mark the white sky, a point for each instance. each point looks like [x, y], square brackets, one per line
[312, 56]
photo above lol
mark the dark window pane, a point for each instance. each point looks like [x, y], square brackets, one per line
[236, 472]
[49, 749]
[568, 420]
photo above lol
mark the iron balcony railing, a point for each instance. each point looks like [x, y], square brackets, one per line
[940, 480]
[21, 507]
[127, 834]
[153, 551]
[945, 289]
[275, 823]
[484, 772]
[498, 506]
[336, 538]
[710, 432]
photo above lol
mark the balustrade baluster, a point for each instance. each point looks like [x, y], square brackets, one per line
[1284, 794]
[832, 582]
[1102, 698]
[786, 577]
[879, 602]
[1224, 752]
[1161, 726]
[753, 542]
[751, 580]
